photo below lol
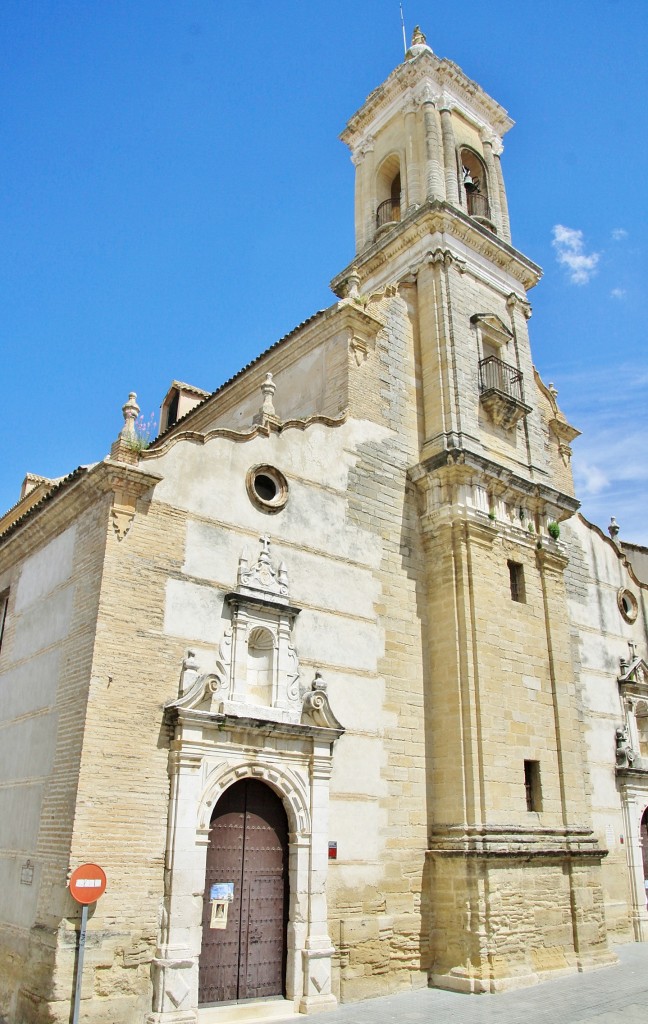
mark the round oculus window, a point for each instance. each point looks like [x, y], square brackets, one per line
[267, 488]
[628, 606]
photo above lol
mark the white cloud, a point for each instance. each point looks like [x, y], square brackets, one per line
[569, 246]
[590, 479]
[618, 293]
[619, 233]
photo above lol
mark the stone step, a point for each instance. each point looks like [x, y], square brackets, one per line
[256, 1011]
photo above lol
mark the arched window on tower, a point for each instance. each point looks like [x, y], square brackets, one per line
[474, 187]
[388, 192]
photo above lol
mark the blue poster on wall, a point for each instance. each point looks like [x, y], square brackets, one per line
[222, 891]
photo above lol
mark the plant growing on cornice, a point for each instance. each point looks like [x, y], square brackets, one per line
[144, 432]
[553, 529]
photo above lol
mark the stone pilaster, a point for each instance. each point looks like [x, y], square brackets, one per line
[449, 155]
[434, 177]
[506, 226]
[318, 949]
[493, 183]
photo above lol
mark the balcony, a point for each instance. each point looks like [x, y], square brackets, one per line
[387, 213]
[477, 205]
[501, 392]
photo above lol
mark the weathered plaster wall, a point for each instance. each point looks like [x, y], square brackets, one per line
[600, 639]
[45, 667]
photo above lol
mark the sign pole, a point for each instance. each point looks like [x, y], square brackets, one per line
[79, 970]
[87, 884]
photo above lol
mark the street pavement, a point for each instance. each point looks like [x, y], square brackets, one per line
[611, 995]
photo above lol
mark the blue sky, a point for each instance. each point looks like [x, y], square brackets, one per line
[175, 198]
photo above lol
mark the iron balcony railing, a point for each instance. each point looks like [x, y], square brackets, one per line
[495, 375]
[477, 205]
[388, 212]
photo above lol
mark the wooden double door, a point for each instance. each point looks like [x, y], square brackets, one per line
[244, 957]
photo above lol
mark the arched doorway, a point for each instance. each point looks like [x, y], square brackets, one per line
[244, 957]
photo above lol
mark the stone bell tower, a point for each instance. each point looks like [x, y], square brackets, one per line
[512, 869]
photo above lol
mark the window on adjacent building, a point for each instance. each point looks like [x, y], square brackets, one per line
[516, 579]
[4, 603]
[532, 785]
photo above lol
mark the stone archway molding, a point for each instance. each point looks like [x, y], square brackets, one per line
[282, 781]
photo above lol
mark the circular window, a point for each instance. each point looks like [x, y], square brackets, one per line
[627, 605]
[267, 488]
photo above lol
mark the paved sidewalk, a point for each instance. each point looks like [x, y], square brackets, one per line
[611, 995]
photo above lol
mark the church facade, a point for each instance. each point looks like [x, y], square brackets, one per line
[331, 679]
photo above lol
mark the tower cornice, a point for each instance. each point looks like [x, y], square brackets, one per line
[408, 237]
[444, 80]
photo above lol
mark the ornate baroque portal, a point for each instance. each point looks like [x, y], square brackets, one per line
[249, 718]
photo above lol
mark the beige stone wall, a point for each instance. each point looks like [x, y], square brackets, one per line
[375, 888]
[516, 927]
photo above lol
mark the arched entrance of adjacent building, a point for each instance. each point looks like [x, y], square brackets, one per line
[244, 957]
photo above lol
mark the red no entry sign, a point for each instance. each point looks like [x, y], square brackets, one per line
[87, 883]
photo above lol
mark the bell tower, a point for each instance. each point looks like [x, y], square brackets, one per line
[512, 866]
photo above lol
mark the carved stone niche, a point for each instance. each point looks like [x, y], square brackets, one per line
[257, 669]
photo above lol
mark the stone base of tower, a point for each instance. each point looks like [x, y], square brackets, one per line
[504, 921]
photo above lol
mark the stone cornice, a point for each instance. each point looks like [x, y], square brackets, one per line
[463, 464]
[514, 842]
[242, 436]
[436, 217]
[255, 727]
[443, 76]
[69, 499]
[623, 558]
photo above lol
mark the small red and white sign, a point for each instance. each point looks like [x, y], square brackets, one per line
[87, 883]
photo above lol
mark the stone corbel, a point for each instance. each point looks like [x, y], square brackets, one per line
[515, 301]
[447, 258]
[564, 433]
[127, 484]
[359, 348]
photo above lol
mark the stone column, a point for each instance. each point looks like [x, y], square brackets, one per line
[506, 226]
[434, 177]
[413, 195]
[493, 183]
[318, 949]
[449, 155]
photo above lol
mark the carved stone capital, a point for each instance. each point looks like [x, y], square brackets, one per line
[366, 145]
